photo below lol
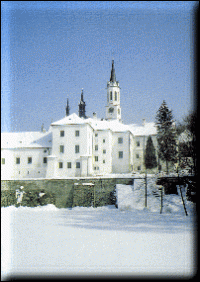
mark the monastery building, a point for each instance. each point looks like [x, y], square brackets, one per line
[78, 146]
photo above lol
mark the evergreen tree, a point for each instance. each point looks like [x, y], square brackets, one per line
[166, 135]
[188, 142]
[150, 156]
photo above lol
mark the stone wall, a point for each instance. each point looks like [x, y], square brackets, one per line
[72, 192]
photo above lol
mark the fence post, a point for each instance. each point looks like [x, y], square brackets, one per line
[94, 196]
[161, 199]
[183, 200]
[145, 188]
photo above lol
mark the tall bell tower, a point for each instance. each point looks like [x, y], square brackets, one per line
[113, 109]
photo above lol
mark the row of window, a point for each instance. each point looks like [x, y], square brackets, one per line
[96, 149]
[17, 160]
[29, 160]
[62, 133]
[77, 134]
[120, 156]
[111, 96]
[77, 149]
[97, 168]
[69, 165]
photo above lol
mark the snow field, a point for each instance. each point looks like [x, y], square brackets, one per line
[131, 240]
[51, 241]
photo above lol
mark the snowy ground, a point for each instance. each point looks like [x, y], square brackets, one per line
[130, 240]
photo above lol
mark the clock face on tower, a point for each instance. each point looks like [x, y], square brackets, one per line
[110, 110]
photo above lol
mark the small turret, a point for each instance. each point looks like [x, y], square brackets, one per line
[82, 105]
[67, 108]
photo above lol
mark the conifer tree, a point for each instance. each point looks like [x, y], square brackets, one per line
[166, 135]
[150, 156]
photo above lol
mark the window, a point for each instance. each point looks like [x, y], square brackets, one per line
[104, 140]
[3, 161]
[60, 164]
[96, 134]
[104, 161]
[62, 133]
[138, 143]
[29, 160]
[120, 140]
[78, 165]
[69, 165]
[115, 96]
[45, 160]
[61, 148]
[45, 151]
[17, 160]
[77, 133]
[139, 167]
[76, 149]
[104, 151]
[96, 158]
[137, 156]
[120, 154]
[96, 147]
[110, 95]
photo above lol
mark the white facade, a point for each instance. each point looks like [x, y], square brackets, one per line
[78, 147]
[75, 147]
[24, 154]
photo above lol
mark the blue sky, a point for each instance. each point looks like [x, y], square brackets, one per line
[53, 49]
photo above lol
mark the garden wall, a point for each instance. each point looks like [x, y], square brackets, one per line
[64, 193]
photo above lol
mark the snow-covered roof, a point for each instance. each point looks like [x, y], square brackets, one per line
[27, 139]
[71, 119]
[96, 124]
[113, 125]
[146, 129]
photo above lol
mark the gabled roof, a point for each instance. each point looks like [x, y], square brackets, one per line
[29, 139]
[71, 119]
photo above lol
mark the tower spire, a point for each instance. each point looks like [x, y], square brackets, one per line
[82, 105]
[67, 108]
[112, 75]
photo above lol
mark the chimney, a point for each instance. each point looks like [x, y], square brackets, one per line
[42, 128]
[94, 115]
[143, 121]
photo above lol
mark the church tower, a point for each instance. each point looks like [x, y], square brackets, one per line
[113, 109]
[81, 111]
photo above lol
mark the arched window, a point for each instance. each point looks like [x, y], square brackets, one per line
[115, 95]
[110, 95]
